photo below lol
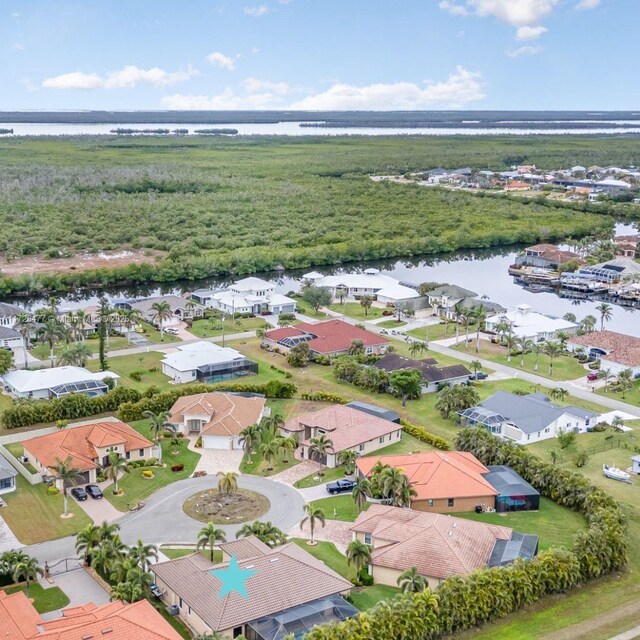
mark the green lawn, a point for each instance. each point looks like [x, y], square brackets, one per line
[258, 466]
[439, 331]
[554, 525]
[174, 621]
[366, 597]
[391, 324]
[407, 444]
[564, 367]
[342, 507]
[172, 554]
[328, 475]
[632, 396]
[17, 451]
[213, 326]
[137, 488]
[356, 310]
[6, 402]
[44, 600]
[124, 366]
[34, 516]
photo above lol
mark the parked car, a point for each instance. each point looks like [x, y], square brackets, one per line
[340, 486]
[479, 375]
[171, 332]
[79, 493]
[94, 491]
[592, 375]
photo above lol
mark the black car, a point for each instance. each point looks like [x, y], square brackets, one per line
[79, 493]
[479, 375]
[340, 486]
[94, 491]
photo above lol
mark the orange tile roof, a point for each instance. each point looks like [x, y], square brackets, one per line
[620, 348]
[228, 414]
[437, 474]
[139, 621]
[438, 545]
[345, 426]
[80, 443]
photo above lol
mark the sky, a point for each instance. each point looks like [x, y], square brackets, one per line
[319, 54]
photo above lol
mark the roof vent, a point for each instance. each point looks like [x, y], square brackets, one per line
[454, 525]
[249, 566]
[274, 559]
[87, 637]
[450, 533]
[106, 631]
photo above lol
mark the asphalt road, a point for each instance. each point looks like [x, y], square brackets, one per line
[162, 519]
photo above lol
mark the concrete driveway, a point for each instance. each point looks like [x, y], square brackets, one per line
[98, 510]
[7, 540]
[80, 588]
[163, 521]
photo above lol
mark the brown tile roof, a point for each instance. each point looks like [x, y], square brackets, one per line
[80, 443]
[554, 253]
[620, 348]
[332, 336]
[139, 621]
[285, 577]
[436, 474]
[228, 414]
[245, 548]
[438, 545]
[345, 426]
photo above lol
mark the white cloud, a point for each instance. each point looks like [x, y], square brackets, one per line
[459, 89]
[256, 12]
[218, 59]
[229, 99]
[126, 78]
[524, 51]
[253, 85]
[530, 33]
[587, 4]
[453, 9]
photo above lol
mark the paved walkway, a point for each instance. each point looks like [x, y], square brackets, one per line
[335, 531]
[214, 460]
[80, 588]
[7, 540]
[315, 493]
[163, 521]
[299, 471]
[628, 635]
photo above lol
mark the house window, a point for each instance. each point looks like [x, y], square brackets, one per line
[180, 602]
[389, 436]
[398, 433]
[6, 483]
[450, 502]
[430, 502]
[381, 439]
[361, 447]
[141, 452]
[127, 455]
[367, 538]
[547, 430]
[189, 610]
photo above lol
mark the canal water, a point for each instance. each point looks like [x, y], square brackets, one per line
[484, 272]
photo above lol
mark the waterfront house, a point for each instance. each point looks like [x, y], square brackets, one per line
[527, 419]
[527, 323]
[206, 362]
[348, 428]
[438, 546]
[546, 256]
[290, 591]
[179, 306]
[615, 351]
[446, 298]
[218, 418]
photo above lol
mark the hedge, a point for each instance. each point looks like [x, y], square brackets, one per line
[488, 594]
[422, 434]
[321, 396]
[128, 403]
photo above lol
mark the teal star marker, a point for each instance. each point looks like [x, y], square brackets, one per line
[233, 578]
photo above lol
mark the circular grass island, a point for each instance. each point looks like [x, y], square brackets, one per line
[240, 506]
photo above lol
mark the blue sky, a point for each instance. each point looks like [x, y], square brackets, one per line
[319, 54]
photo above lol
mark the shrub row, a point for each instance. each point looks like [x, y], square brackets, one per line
[321, 396]
[128, 403]
[423, 435]
[488, 594]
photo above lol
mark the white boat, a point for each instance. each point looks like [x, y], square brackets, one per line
[615, 474]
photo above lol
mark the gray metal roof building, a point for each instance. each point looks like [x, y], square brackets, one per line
[515, 493]
[372, 410]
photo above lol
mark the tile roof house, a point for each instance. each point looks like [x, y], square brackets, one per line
[439, 546]
[138, 621]
[285, 594]
[347, 428]
[217, 417]
[546, 256]
[432, 375]
[88, 446]
[615, 351]
[527, 419]
[180, 310]
[444, 481]
[329, 338]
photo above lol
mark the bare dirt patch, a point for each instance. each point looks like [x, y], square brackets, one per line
[79, 262]
[240, 506]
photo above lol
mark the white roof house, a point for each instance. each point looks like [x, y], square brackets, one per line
[252, 285]
[395, 292]
[57, 382]
[527, 323]
[369, 282]
[205, 360]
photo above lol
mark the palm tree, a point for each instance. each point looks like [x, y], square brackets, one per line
[270, 450]
[319, 447]
[143, 554]
[502, 328]
[130, 317]
[264, 531]
[358, 555]
[476, 365]
[361, 492]
[417, 348]
[27, 569]
[312, 516]
[64, 472]
[228, 482]
[87, 540]
[562, 337]
[569, 317]
[551, 349]
[606, 313]
[365, 303]
[341, 293]
[50, 333]
[536, 349]
[410, 581]
[347, 459]
[158, 423]
[588, 323]
[76, 354]
[161, 312]
[625, 381]
[480, 317]
[249, 438]
[524, 346]
[176, 442]
[25, 327]
[127, 592]
[116, 465]
[509, 341]
[558, 393]
[288, 446]
[404, 494]
[392, 480]
[209, 537]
